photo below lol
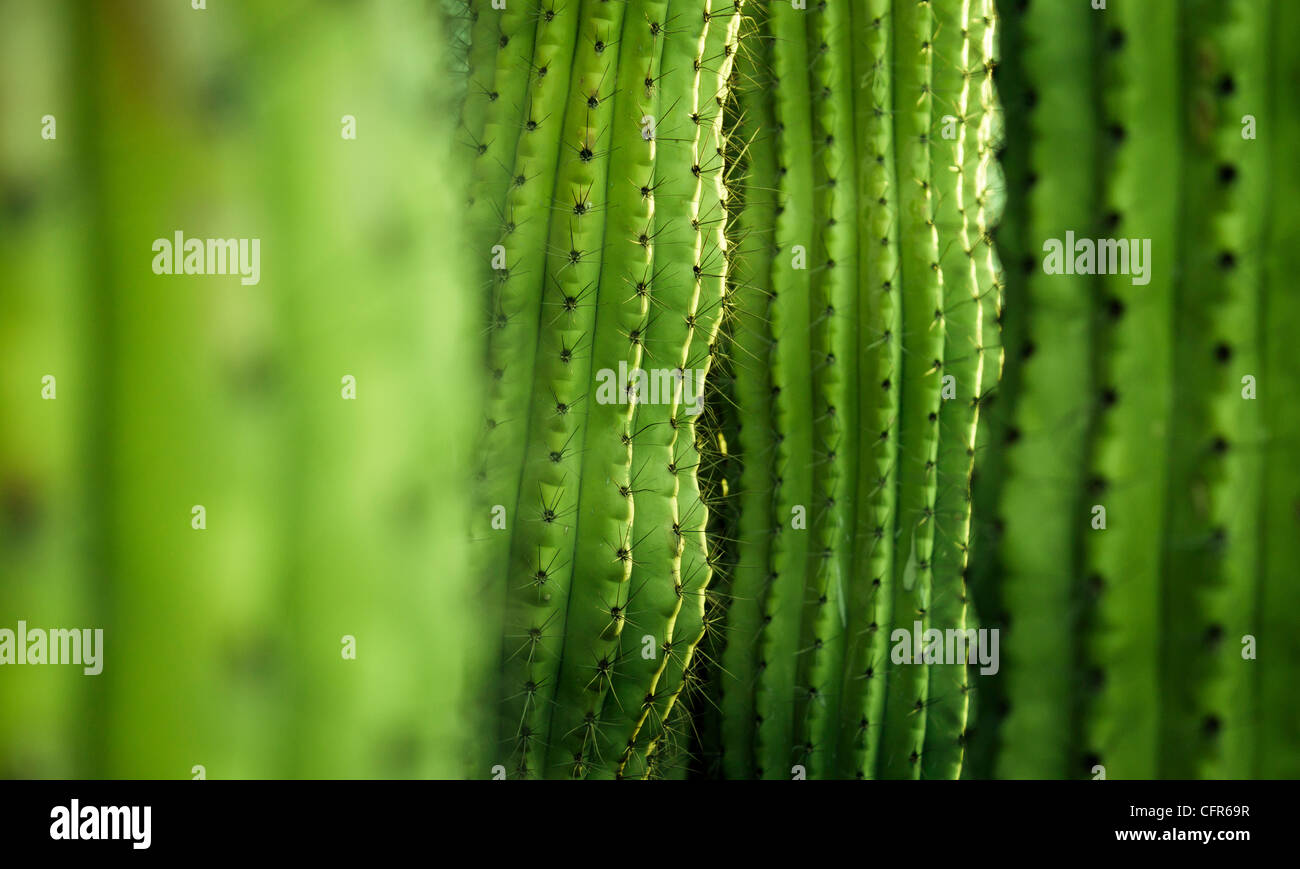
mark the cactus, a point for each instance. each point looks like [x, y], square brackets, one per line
[42, 568]
[1113, 532]
[1277, 754]
[1137, 563]
[876, 277]
[709, 298]
[611, 258]
[1043, 449]
[324, 517]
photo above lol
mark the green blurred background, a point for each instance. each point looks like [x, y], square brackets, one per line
[325, 516]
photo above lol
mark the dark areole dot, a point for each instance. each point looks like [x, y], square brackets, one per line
[1218, 539]
[19, 509]
[19, 202]
[1096, 584]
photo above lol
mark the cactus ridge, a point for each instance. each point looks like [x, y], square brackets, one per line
[752, 391]
[1277, 754]
[790, 363]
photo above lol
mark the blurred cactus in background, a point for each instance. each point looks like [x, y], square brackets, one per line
[1139, 489]
[326, 516]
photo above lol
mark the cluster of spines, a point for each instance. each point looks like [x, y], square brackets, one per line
[480, 74]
